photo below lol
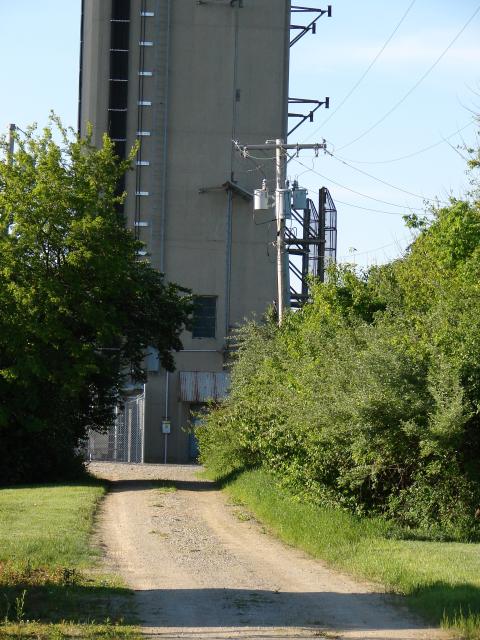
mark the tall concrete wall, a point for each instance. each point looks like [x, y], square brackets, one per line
[219, 71]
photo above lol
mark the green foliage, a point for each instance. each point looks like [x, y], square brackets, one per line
[441, 580]
[50, 586]
[46, 527]
[368, 398]
[78, 309]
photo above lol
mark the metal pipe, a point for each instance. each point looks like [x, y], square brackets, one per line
[163, 212]
[235, 94]
[228, 265]
[166, 393]
[129, 431]
[228, 239]
[166, 416]
[142, 421]
[286, 70]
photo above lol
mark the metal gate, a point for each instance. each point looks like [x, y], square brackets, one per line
[124, 441]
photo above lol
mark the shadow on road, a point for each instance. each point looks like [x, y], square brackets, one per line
[181, 485]
[217, 608]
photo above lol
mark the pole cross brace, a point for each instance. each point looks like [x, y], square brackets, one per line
[312, 26]
[309, 116]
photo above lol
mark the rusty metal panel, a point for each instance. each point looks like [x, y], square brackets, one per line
[202, 386]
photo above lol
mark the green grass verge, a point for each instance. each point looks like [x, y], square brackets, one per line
[50, 585]
[441, 580]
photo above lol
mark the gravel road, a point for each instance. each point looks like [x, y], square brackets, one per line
[202, 569]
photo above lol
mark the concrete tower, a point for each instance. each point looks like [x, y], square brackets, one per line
[185, 78]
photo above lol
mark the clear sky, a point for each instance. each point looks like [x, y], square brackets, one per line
[39, 49]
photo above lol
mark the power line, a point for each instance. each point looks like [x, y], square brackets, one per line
[412, 89]
[362, 77]
[414, 153]
[358, 193]
[388, 184]
[362, 253]
[357, 206]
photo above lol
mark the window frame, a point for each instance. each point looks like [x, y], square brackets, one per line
[203, 331]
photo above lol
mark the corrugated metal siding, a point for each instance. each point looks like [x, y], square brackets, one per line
[202, 386]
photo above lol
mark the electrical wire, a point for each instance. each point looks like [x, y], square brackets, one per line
[247, 154]
[357, 206]
[358, 193]
[259, 224]
[412, 89]
[363, 253]
[362, 77]
[414, 153]
[388, 184]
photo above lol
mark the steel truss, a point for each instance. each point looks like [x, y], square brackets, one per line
[311, 252]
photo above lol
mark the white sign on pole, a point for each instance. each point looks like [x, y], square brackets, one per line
[166, 426]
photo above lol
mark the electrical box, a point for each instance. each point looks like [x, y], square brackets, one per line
[260, 200]
[299, 197]
[284, 203]
[287, 204]
[166, 427]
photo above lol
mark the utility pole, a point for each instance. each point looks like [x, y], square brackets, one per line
[282, 273]
[282, 201]
[11, 141]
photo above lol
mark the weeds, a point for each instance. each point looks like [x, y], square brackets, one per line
[48, 579]
[166, 486]
[439, 579]
[469, 623]
[106, 630]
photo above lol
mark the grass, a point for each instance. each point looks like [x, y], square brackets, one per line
[68, 631]
[165, 486]
[48, 525]
[50, 585]
[441, 580]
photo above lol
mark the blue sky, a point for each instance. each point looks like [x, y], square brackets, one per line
[39, 47]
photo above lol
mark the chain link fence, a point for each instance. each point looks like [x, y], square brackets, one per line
[124, 441]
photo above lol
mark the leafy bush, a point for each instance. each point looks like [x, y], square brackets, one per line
[368, 397]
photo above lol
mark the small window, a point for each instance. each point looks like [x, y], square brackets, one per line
[204, 316]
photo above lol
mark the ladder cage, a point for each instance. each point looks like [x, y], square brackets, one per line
[311, 245]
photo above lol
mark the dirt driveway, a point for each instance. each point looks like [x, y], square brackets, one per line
[201, 569]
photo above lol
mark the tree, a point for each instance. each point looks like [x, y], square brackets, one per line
[368, 398]
[78, 309]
